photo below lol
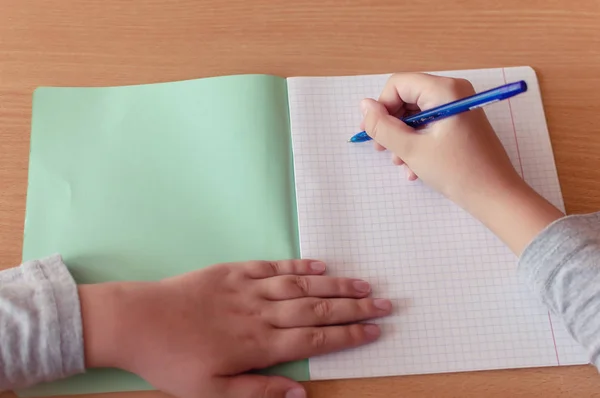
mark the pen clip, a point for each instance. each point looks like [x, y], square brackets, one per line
[484, 104]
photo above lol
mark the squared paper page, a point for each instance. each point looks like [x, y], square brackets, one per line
[458, 303]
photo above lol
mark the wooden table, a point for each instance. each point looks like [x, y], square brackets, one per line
[112, 42]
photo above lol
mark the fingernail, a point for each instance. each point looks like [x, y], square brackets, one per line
[383, 304]
[363, 107]
[361, 286]
[295, 393]
[317, 266]
[372, 330]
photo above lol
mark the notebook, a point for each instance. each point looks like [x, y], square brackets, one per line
[143, 182]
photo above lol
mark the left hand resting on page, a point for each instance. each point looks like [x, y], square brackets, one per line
[196, 334]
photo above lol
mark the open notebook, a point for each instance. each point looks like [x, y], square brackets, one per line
[143, 182]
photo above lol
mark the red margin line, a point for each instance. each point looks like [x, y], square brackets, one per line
[512, 119]
[553, 339]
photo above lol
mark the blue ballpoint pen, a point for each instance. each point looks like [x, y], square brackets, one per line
[456, 107]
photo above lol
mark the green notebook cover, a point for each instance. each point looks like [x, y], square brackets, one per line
[144, 182]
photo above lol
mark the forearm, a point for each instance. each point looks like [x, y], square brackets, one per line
[560, 257]
[100, 328]
[111, 314]
[516, 214]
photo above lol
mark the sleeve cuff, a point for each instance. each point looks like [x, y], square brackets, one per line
[58, 288]
[540, 259]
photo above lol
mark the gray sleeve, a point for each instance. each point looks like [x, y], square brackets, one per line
[562, 266]
[40, 324]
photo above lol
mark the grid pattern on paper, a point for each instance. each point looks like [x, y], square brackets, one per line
[458, 303]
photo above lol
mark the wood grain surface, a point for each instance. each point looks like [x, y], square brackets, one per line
[115, 42]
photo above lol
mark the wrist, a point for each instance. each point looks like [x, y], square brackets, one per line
[104, 309]
[516, 214]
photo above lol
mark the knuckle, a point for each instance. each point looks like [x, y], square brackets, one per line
[344, 286]
[458, 87]
[318, 338]
[356, 334]
[301, 283]
[363, 307]
[265, 390]
[465, 86]
[226, 272]
[323, 309]
[374, 126]
[262, 389]
[395, 78]
[274, 267]
[392, 79]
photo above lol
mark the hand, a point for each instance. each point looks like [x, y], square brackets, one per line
[194, 335]
[460, 156]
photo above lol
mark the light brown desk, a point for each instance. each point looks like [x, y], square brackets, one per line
[110, 42]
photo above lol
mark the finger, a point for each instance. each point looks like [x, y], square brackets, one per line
[405, 88]
[410, 175]
[295, 286]
[257, 386]
[397, 161]
[317, 312]
[378, 147]
[423, 90]
[266, 269]
[300, 343]
[364, 109]
[387, 130]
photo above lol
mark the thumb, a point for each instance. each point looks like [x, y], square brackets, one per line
[386, 129]
[257, 386]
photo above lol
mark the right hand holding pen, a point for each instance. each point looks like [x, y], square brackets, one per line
[460, 156]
